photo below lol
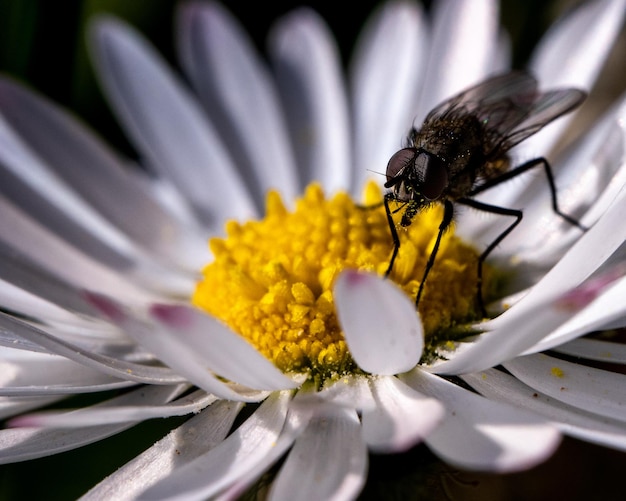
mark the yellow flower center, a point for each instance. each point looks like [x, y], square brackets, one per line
[271, 280]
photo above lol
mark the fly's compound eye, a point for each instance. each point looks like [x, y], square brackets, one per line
[433, 175]
[399, 164]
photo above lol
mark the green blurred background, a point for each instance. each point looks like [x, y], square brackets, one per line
[42, 44]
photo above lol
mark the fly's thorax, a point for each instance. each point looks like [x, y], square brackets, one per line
[457, 139]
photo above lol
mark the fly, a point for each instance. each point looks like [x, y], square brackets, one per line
[462, 150]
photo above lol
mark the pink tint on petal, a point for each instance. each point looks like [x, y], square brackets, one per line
[22, 422]
[176, 316]
[353, 278]
[584, 294]
[105, 306]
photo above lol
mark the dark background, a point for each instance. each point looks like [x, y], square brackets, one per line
[41, 43]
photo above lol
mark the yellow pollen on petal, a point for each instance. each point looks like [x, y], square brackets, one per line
[271, 280]
[557, 372]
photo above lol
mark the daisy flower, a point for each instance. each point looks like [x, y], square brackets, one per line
[107, 284]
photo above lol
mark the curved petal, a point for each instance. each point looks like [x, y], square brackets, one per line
[377, 317]
[353, 392]
[25, 373]
[327, 461]
[97, 174]
[480, 434]
[574, 49]
[116, 367]
[463, 43]
[385, 77]
[93, 262]
[36, 189]
[570, 54]
[496, 385]
[536, 315]
[181, 446]
[595, 390]
[229, 460]
[10, 406]
[96, 416]
[297, 419]
[595, 349]
[402, 416]
[166, 345]
[166, 124]
[601, 312]
[226, 353]
[237, 92]
[22, 444]
[308, 73]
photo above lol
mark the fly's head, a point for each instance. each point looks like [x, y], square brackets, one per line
[417, 178]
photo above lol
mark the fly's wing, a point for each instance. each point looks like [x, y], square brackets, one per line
[509, 108]
[490, 100]
[547, 107]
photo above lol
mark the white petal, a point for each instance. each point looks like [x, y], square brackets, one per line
[229, 460]
[28, 374]
[353, 392]
[587, 179]
[297, 420]
[480, 434]
[496, 385]
[465, 34]
[385, 78]
[165, 344]
[116, 367]
[595, 390]
[572, 54]
[328, 461]
[595, 349]
[18, 300]
[11, 406]
[535, 316]
[402, 417]
[598, 315]
[380, 324]
[26, 443]
[33, 186]
[40, 193]
[181, 446]
[225, 352]
[238, 93]
[573, 51]
[98, 175]
[51, 247]
[97, 416]
[166, 123]
[309, 78]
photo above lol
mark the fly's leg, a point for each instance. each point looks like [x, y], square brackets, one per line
[536, 162]
[394, 233]
[448, 212]
[493, 209]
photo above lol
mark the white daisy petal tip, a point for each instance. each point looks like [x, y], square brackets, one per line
[378, 318]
